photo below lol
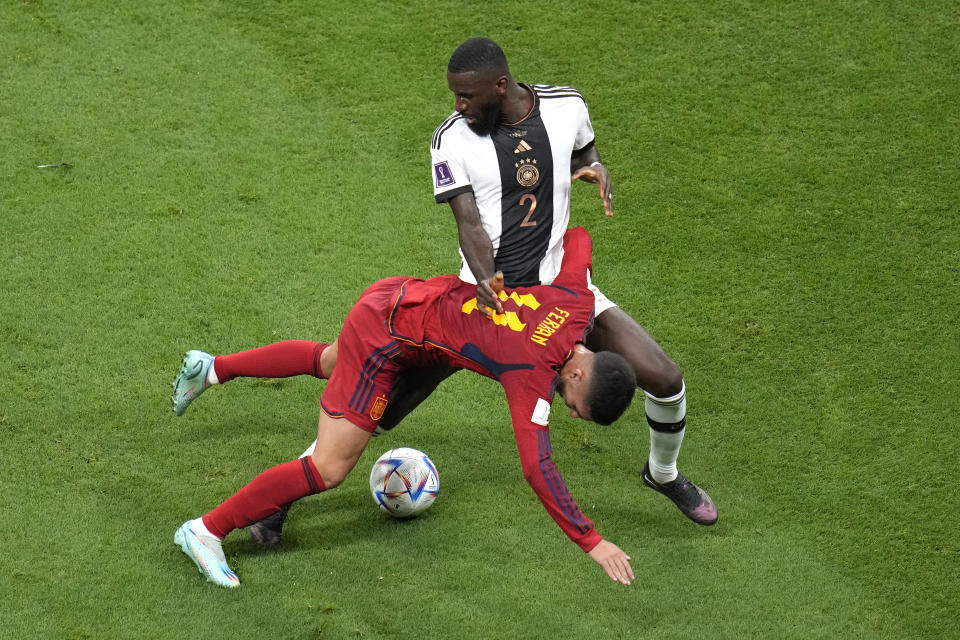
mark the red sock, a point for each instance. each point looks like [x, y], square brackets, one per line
[265, 494]
[278, 360]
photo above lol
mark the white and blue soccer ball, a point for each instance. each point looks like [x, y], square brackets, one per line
[404, 482]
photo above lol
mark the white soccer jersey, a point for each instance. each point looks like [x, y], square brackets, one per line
[520, 178]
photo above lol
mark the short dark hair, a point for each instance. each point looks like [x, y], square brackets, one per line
[611, 388]
[477, 54]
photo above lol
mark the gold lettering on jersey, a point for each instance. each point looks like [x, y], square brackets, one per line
[509, 319]
[525, 300]
[549, 325]
[527, 172]
[469, 306]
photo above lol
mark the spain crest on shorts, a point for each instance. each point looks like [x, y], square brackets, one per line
[379, 406]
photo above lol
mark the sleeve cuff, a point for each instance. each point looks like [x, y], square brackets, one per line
[586, 146]
[452, 193]
[589, 540]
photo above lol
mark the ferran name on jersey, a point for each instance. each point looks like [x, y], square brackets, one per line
[549, 325]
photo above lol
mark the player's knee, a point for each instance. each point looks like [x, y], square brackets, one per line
[666, 381]
[332, 472]
[333, 478]
[328, 360]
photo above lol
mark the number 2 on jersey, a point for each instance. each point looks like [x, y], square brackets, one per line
[532, 199]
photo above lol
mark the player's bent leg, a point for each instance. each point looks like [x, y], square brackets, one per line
[665, 407]
[410, 388]
[285, 359]
[339, 445]
[614, 330]
[334, 454]
[282, 484]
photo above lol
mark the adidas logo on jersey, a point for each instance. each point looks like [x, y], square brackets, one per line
[523, 146]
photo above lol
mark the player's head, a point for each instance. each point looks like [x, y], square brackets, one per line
[612, 387]
[478, 55]
[478, 76]
[597, 386]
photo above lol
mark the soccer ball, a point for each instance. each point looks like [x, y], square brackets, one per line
[404, 482]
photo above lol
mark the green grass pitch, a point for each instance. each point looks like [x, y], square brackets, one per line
[235, 173]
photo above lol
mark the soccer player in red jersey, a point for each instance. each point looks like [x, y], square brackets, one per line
[534, 348]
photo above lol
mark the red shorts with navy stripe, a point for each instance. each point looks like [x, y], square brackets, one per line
[368, 359]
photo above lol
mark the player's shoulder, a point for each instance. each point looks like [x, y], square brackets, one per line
[453, 127]
[553, 92]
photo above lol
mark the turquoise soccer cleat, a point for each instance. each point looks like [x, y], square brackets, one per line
[192, 380]
[207, 554]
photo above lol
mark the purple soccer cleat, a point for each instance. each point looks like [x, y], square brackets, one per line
[689, 498]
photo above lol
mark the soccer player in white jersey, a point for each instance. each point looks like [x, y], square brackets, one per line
[504, 162]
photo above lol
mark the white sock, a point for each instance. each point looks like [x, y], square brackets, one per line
[309, 451]
[665, 446]
[201, 529]
[664, 450]
[212, 376]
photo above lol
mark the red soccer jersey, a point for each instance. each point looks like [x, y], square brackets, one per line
[523, 348]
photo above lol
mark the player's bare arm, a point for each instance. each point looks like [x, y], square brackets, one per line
[477, 249]
[586, 165]
[614, 561]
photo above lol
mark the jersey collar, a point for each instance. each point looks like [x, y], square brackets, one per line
[533, 107]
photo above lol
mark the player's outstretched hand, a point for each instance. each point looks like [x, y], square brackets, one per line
[598, 174]
[614, 561]
[487, 292]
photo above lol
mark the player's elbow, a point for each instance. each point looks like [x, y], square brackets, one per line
[529, 475]
[533, 474]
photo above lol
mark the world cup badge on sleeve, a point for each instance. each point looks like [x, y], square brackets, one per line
[442, 174]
